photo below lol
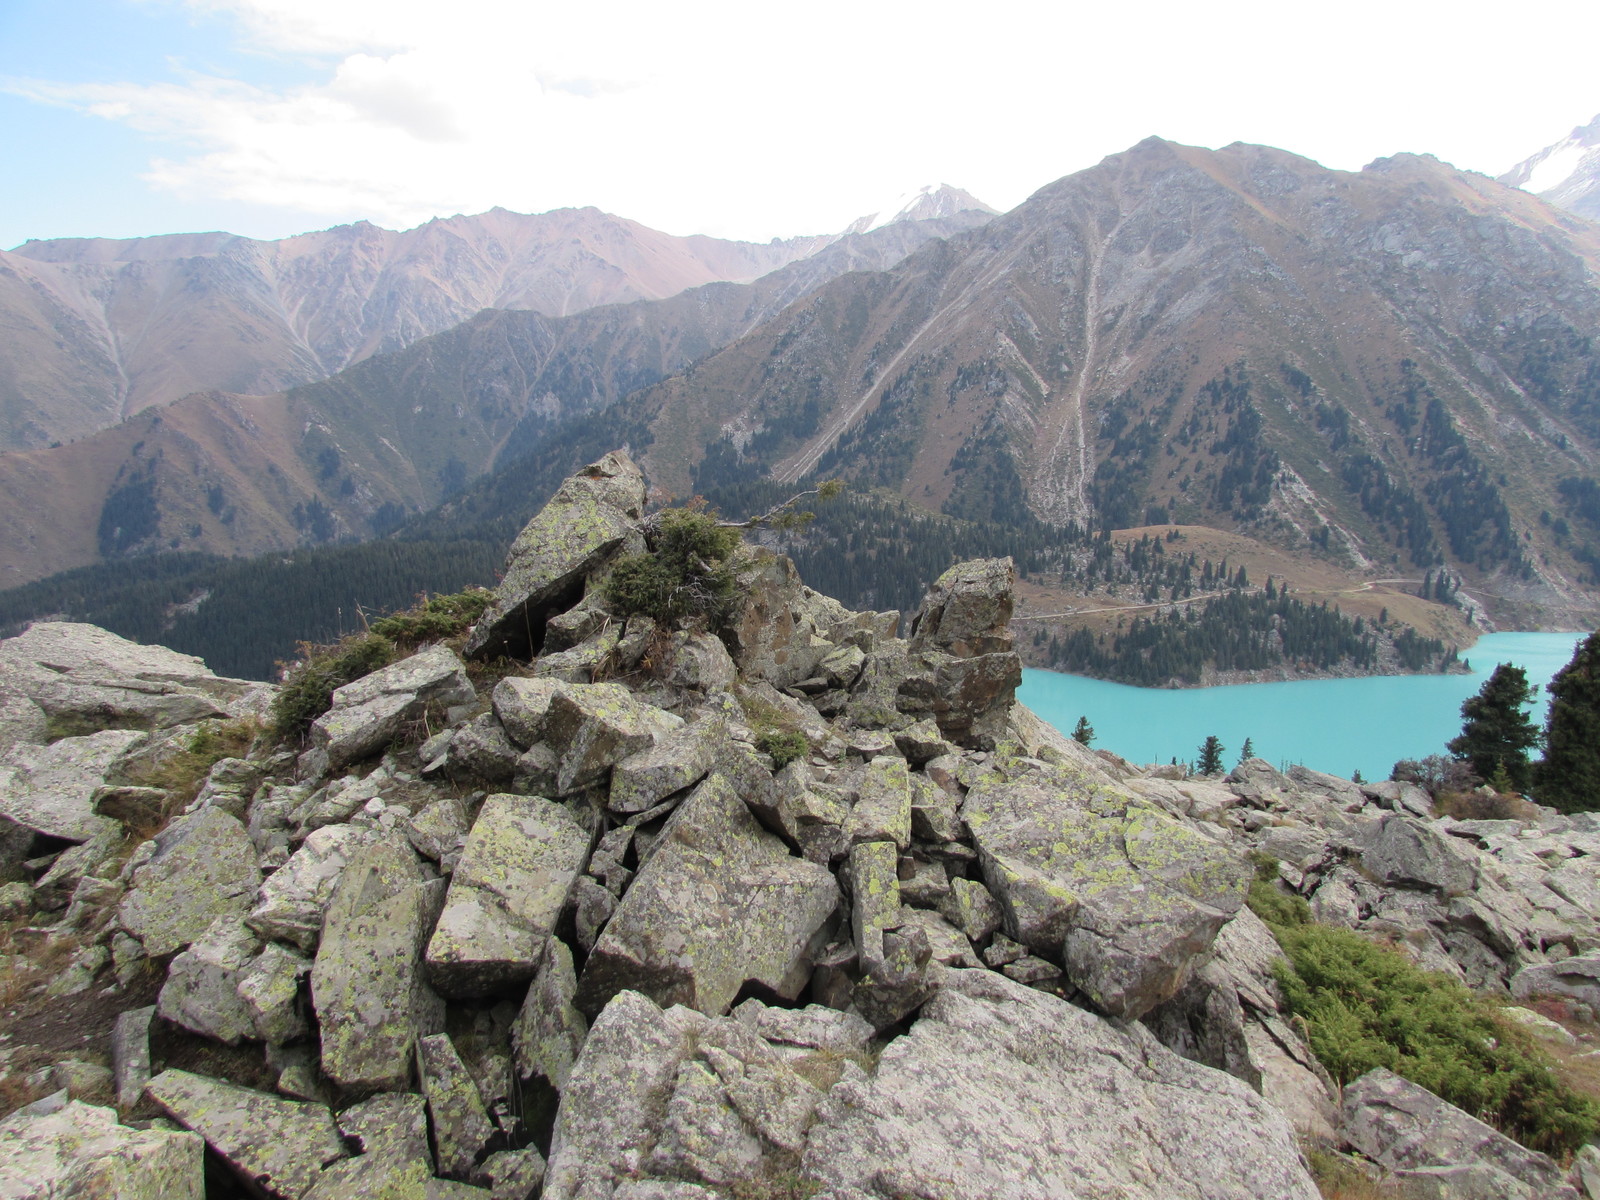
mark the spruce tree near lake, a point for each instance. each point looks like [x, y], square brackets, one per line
[1211, 751]
[1083, 732]
[1496, 734]
[1569, 776]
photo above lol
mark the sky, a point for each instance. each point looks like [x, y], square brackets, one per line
[124, 118]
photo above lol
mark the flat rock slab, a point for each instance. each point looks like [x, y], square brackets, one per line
[591, 515]
[51, 788]
[369, 713]
[278, 1146]
[79, 1150]
[1120, 893]
[204, 867]
[550, 1030]
[719, 903]
[1407, 1128]
[202, 988]
[1405, 852]
[520, 862]
[1000, 1092]
[1577, 978]
[82, 671]
[883, 812]
[461, 1127]
[678, 760]
[367, 984]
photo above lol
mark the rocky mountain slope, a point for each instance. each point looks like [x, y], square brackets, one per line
[1395, 367]
[350, 456]
[1567, 173]
[791, 907]
[99, 329]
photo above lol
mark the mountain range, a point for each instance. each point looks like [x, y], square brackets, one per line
[1391, 369]
[99, 329]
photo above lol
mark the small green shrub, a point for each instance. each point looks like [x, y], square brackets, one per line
[308, 688]
[685, 572]
[784, 747]
[435, 619]
[1366, 1005]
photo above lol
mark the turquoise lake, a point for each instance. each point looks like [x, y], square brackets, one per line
[1333, 725]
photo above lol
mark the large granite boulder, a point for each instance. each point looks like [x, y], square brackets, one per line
[203, 867]
[202, 988]
[521, 860]
[1121, 894]
[967, 611]
[1402, 851]
[1002, 1092]
[391, 1132]
[91, 678]
[720, 903]
[80, 1151]
[779, 633]
[1575, 978]
[369, 713]
[367, 984]
[591, 515]
[550, 1030]
[1423, 1139]
[278, 1147]
[462, 1131]
[51, 789]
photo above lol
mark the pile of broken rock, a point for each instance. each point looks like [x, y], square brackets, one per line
[586, 941]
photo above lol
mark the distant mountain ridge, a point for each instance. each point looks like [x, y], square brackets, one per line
[99, 329]
[1566, 173]
[350, 456]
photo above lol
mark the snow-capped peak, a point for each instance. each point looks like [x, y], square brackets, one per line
[1566, 174]
[923, 204]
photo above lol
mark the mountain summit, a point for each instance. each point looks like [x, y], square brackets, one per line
[926, 203]
[1567, 174]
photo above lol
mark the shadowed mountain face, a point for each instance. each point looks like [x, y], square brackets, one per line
[352, 455]
[1394, 366]
[99, 329]
[1567, 173]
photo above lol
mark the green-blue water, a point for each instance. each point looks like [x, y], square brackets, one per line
[1333, 725]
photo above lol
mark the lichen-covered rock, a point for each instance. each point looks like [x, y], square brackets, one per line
[883, 811]
[616, 1098]
[482, 749]
[596, 725]
[1408, 1129]
[277, 1146]
[130, 1055]
[522, 705]
[80, 1152]
[270, 991]
[699, 662]
[875, 898]
[678, 760]
[778, 634]
[967, 611]
[1124, 896]
[203, 867]
[591, 515]
[1577, 978]
[521, 860]
[513, 1174]
[368, 714]
[550, 1030]
[21, 720]
[1000, 1091]
[51, 789]
[719, 903]
[367, 984]
[462, 1131]
[202, 988]
[291, 903]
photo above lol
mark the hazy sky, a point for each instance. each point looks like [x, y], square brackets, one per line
[269, 117]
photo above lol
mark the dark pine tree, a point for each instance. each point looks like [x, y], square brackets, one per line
[1211, 751]
[1496, 733]
[1083, 732]
[1569, 776]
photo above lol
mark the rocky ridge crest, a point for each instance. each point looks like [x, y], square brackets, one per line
[567, 927]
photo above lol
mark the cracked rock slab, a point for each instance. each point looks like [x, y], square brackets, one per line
[204, 867]
[79, 1150]
[520, 863]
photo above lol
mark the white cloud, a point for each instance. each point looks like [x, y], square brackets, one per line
[755, 120]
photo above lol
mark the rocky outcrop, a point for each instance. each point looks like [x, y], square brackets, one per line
[590, 516]
[945, 950]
